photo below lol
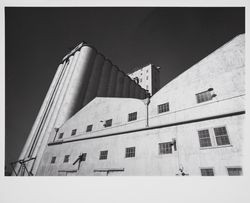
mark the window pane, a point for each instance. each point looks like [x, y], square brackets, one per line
[234, 171]
[163, 108]
[130, 152]
[53, 160]
[165, 148]
[207, 172]
[204, 138]
[60, 136]
[108, 123]
[203, 96]
[66, 158]
[89, 128]
[132, 116]
[103, 155]
[221, 136]
[73, 132]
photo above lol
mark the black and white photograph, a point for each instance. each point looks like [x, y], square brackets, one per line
[124, 92]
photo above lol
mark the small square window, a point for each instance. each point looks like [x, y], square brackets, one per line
[103, 155]
[73, 132]
[204, 96]
[204, 138]
[66, 159]
[60, 136]
[89, 128]
[83, 156]
[165, 148]
[207, 172]
[234, 171]
[163, 108]
[130, 152]
[108, 123]
[132, 116]
[221, 136]
[53, 160]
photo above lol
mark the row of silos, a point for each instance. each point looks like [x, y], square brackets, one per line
[83, 75]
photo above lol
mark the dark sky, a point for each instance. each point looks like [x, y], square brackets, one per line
[36, 39]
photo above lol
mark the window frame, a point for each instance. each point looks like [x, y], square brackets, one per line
[165, 150]
[53, 160]
[66, 158]
[106, 121]
[161, 108]
[234, 167]
[222, 126]
[73, 132]
[103, 155]
[207, 168]
[60, 136]
[210, 138]
[132, 116]
[130, 154]
[89, 126]
[199, 100]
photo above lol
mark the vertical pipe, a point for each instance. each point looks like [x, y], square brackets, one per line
[119, 84]
[94, 79]
[125, 91]
[104, 79]
[112, 82]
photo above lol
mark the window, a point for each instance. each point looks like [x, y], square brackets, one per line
[130, 152]
[207, 172]
[66, 159]
[203, 96]
[204, 137]
[89, 128]
[147, 71]
[60, 136]
[140, 80]
[221, 136]
[234, 171]
[165, 148]
[108, 123]
[103, 155]
[163, 108]
[132, 116]
[83, 156]
[73, 132]
[147, 78]
[53, 160]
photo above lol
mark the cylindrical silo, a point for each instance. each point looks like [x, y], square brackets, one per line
[94, 79]
[73, 96]
[104, 79]
[119, 84]
[137, 91]
[41, 113]
[112, 82]
[126, 86]
[132, 89]
[55, 110]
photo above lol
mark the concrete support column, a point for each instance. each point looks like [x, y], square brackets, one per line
[126, 86]
[94, 79]
[77, 86]
[119, 84]
[104, 79]
[112, 82]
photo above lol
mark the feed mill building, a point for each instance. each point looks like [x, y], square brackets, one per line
[96, 120]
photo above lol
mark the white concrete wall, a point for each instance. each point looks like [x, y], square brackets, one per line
[223, 70]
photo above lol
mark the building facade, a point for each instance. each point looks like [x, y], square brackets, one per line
[191, 126]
